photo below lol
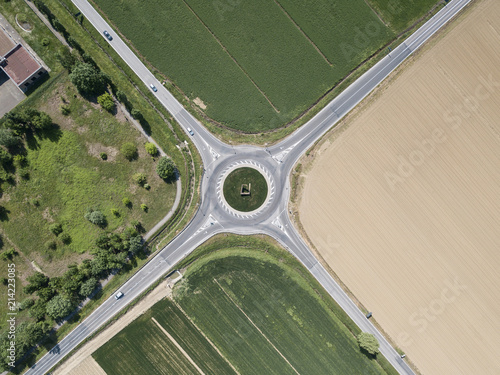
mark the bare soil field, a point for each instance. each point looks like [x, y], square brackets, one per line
[404, 203]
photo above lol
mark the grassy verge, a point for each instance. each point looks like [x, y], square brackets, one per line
[254, 184]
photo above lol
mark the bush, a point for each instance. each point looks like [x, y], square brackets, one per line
[96, 217]
[26, 303]
[139, 178]
[59, 307]
[51, 245]
[20, 161]
[136, 114]
[65, 238]
[368, 342]
[136, 244]
[45, 42]
[147, 187]
[144, 207]
[8, 254]
[103, 156]
[56, 229]
[35, 202]
[24, 174]
[64, 110]
[165, 168]
[4, 281]
[129, 150]
[126, 202]
[115, 212]
[151, 149]
[106, 102]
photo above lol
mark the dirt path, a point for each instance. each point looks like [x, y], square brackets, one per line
[76, 364]
[404, 203]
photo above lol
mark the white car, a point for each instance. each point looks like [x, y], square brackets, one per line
[153, 87]
[119, 295]
[190, 131]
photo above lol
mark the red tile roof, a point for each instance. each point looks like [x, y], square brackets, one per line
[19, 64]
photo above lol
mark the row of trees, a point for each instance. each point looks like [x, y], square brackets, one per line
[55, 297]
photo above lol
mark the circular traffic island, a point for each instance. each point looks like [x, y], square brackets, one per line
[245, 189]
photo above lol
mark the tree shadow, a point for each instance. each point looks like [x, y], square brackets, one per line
[4, 214]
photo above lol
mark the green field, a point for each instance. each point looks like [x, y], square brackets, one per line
[254, 180]
[255, 64]
[254, 302]
[401, 14]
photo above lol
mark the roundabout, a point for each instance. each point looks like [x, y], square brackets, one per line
[245, 188]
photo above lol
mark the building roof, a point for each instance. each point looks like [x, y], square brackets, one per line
[6, 43]
[19, 64]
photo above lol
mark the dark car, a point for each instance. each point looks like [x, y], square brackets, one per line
[106, 34]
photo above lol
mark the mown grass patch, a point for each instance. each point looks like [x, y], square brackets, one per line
[252, 182]
[252, 300]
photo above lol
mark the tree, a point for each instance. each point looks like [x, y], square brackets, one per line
[36, 282]
[368, 342]
[139, 178]
[96, 217]
[5, 157]
[88, 79]
[106, 101]
[8, 138]
[151, 149]
[126, 202]
[37, 311]
[135, 244]
[56, 229]
[129, 150]
[165, 168]
[88, 287]
[42, 121]
[59, 307]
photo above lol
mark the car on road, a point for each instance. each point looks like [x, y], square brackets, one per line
[190, 131]
[119, 295]
[107, 35]
[153, 87]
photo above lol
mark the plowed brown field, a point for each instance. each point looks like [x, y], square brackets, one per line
[404, 205]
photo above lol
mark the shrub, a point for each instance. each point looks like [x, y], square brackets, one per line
[8, 254]
[26, 303]
[151, 149]
[144, 207]
[45, 42]
[65, 238]
[139, 178]
[136, 244]
[96, 217]
[64, 109]
[368, 342]
[115, 212]
[35, 202]
[106, 101]
[165, 168]
[4, 281]
[129, 150]
[147, 187]
[126, 202]
[103, 156]
[56, 229]
[20, 161]
[24, 174]
[136, 114]
[50, 245]
[120, 95]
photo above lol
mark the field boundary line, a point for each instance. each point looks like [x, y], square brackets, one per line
[258, 329]
[231, 56]
[303, 32]
[205, 336]
[376, 13]
[178, 346]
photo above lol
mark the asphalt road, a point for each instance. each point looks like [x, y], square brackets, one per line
[213, 217]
